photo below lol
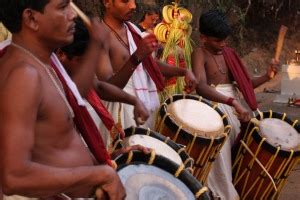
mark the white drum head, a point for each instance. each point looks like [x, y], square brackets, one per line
[146, 182]
[196, 117]
[160, 147]
[279, 133]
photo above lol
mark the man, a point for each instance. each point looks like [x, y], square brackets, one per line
[216, 67]
[42, 153]
[149, 20]
[128, 63]
[71, 56]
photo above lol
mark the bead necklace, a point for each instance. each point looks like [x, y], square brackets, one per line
[54, 80]
[221, 70]
[118, 36]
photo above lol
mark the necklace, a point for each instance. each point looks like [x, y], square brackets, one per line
[118, 36]
[221, 70]
[55, 80]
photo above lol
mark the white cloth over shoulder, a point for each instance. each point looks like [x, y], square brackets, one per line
[140, 85]
[220, 177]
[68, 80]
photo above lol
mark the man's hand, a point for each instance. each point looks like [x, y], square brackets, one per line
[272, 69]
[146, 46]
[190, 81]
[123, 150]
[243, 114]
[113, 188]
[141, 114]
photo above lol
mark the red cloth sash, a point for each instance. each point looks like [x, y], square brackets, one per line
[104, 115]
[149, 63]
[85, 124]
[2, 52]
[241, 76]
[171, 61]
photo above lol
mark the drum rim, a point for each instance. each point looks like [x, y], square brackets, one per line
[175, 146]
[165, 164]
[266, 145]
[170, 123]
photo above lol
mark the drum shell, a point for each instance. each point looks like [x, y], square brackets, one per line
[206, 148]
[278, 163]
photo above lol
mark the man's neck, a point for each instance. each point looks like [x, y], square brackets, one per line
[116, 24]
[41, 51]
[212, 51]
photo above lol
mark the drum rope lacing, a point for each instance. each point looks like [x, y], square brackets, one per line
[280, 174]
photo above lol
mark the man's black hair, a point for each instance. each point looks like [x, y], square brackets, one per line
[80, 42]
[149, 10]
[213, 23]
[11, 12]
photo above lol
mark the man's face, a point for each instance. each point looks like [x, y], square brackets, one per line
[213, 43]
[56, 24]
[152, 19]
[121, 9]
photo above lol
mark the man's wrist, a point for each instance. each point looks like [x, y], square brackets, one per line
[135, 59]
[230, 101]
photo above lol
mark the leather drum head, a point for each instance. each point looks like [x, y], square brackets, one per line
[147, 182]
[279, 133]
[196, 117]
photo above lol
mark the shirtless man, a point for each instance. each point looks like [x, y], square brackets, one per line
[71, 56]
[215, 83]
[123, 63]
[42, 154]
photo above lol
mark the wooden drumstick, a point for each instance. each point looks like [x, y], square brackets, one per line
[282, 31]
[81, 14]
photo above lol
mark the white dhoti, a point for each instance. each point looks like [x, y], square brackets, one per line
[139, 85]
[220, 177]
[126, 111]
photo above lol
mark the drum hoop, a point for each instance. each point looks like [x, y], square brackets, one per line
[186, 159]
[174, 126]
[266, 145]
[165, 164]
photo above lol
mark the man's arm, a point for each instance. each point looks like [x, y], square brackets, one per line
[171, 71]
[271, 70]
[207, 91]
[83, 76]
[112, 93]
[120, 78]
[19, 173]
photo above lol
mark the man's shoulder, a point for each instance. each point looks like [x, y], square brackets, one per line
[134, 27]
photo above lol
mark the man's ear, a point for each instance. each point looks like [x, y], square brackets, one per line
[203, 38]
[106, 3]
[29, 19]
[61, 55]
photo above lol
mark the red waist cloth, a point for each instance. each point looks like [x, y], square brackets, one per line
[171, 60]
[241, 76]
[85, 124]
[149, 63]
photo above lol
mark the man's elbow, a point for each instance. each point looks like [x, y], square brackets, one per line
[9, 185]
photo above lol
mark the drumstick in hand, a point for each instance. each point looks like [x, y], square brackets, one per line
[81, 14]
[282, 31]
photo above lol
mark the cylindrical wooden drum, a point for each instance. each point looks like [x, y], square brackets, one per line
[267, 153]
[150, 176]
[162, 145]
[194, 122]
